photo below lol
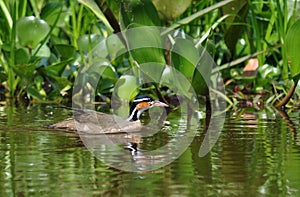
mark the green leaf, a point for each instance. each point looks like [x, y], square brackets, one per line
[184, 57]
[145, 50]
[238, 11]
[31, 31]
[105, 85]
[152, 71]
[6, 14]
[170, 9]
[25, 71]
[166, 76]
[127, 87]
[201, 77]
[114, 6]
[55, 70]
[3, 77]
[94, 7]
[114, 46]
[194, 16]
[141, 12]
[199, 84]
[51, 11]
[35, 93]
[88, 42]
[98, 73]
[59, 84]
[66, 51]
[38, 81]
[267, 74]
[267, 71]
[195, 64]
[101, 69]
[22, 56]
[108, 72]
[44, 51]
[292, 43]
[176, 81]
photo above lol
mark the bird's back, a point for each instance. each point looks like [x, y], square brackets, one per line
[93, 122]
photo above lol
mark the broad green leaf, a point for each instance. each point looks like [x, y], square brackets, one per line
[65, 51]
[55, 70]
[38, 81]
[106, 86]
[35, 93]
[127, 87]
[94, 7]
[31, 31]
[25, 71]
[267, 74]
[88, 42]
[202, 75]
[101, 69]
[140, 12]
[195, 64]
[51, 11]
[184, 57]
[100, 74]
[114, 46]
[145, 50]
[152, 71]
[170, 9]
[100, 50]
[109, 72]
[166, 76]
[22, 56]
[237, 11]
[268, 71]
[199, 84]
[176, 81]
[59, 83]
[44, 51]
[292, 43]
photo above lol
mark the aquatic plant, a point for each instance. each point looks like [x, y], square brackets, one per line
[41, 62]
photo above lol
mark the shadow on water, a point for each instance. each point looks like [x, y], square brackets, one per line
[257, 154]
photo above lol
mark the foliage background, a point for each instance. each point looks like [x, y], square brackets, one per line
[43, 44]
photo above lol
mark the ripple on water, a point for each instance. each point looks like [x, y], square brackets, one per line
[257, 154]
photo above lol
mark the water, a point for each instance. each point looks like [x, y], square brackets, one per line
[257, 154]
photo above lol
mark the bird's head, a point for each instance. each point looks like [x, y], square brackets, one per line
[142, 103]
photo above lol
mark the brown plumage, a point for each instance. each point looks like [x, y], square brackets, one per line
[92, 122]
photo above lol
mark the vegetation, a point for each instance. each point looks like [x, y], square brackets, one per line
[44, 47]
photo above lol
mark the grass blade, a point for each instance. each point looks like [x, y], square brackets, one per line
[94, 7]
[195, 16]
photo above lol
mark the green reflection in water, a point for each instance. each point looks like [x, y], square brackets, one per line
[257, 154]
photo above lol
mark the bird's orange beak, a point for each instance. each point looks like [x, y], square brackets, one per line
[160, 104]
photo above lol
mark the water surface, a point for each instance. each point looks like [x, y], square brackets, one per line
[257, 154]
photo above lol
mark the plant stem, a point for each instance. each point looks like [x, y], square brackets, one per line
[74, 24]
[11, 75]
[287, 97]
[6, 14]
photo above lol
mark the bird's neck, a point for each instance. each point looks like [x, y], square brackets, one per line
[134, 115]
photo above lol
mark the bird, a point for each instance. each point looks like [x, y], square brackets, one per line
[92, 122]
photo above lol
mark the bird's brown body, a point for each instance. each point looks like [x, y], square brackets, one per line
[92, 122]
